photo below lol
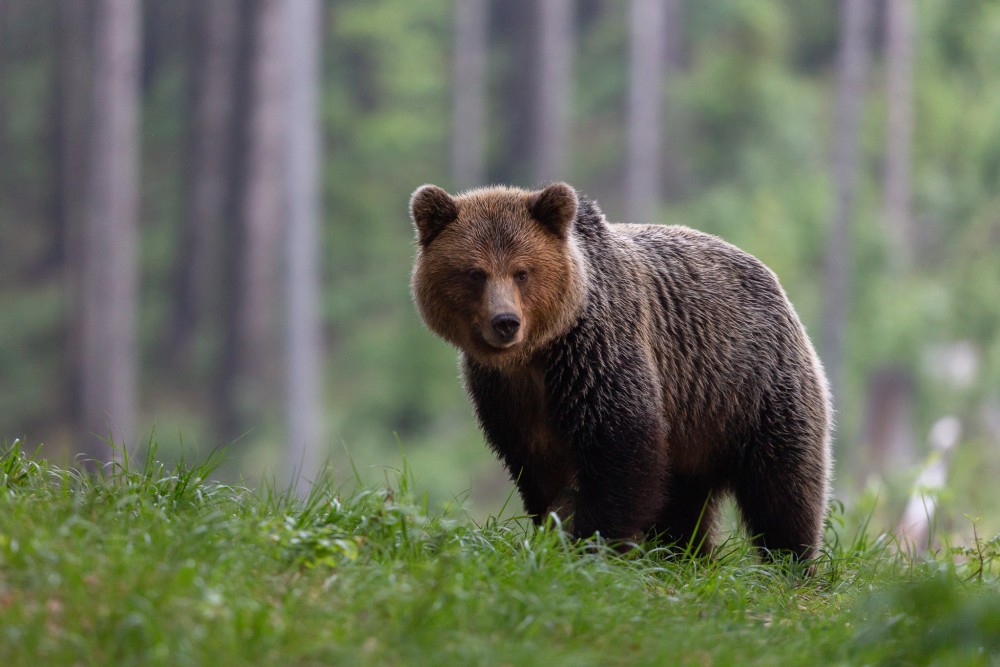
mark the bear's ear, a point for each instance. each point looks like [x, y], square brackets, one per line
[554, 208]
[432, 209]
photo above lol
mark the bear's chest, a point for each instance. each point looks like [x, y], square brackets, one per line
[542, 440]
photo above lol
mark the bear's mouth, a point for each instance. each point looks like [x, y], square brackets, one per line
[495, 343]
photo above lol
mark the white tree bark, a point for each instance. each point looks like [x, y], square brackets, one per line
[303, 334]
[109, 265]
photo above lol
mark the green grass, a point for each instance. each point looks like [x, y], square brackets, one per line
[145, 565]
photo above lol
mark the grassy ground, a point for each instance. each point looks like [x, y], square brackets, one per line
[142, 565]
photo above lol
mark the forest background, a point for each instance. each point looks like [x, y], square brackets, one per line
[204, 233]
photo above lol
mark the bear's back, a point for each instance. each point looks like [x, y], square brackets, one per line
[722, 332]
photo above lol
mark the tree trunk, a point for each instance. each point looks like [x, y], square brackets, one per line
[214, 27]
[675, 169]
[554, 82]
[889, 429]
[70, 127]
[888, 436]
[303, 336]
[673, 36]
[108, 347]
[469, 90]
[513, 25]
[647, 66]
[257, 207]
[264, 201]
[852, 68]
[69, 122]
[899, 131]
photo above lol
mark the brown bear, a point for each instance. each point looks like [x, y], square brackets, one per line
[629, 376]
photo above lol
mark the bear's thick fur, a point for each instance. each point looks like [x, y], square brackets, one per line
[629, 376]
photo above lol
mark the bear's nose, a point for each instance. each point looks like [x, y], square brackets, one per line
[506, 325]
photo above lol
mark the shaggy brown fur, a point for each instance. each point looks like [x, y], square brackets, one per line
[627, 375]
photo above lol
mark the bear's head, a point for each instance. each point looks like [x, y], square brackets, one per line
[498, 273]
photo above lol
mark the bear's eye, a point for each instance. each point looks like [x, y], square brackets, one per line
[477, 275]
[521, 276]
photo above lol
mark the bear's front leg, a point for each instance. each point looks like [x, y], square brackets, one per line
[617, 436]
[510, 411]
[620, 494]
[564, 507]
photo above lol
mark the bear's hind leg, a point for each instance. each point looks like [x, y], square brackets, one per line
[782, 498]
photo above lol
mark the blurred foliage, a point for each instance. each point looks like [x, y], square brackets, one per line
[748, 132]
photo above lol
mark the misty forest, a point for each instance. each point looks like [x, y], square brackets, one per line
[205, 244]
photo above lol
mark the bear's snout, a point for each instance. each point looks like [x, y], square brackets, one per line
[501, 321]
[506, 325]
